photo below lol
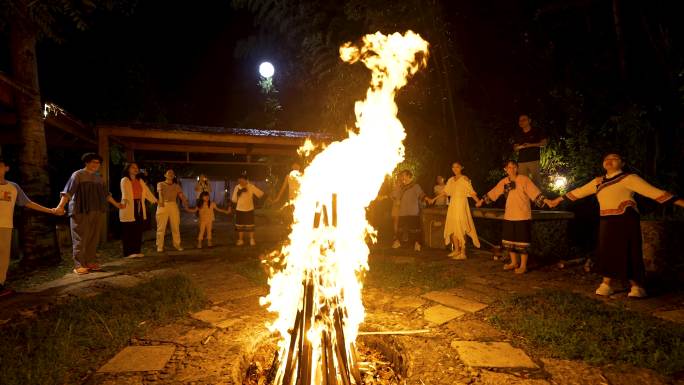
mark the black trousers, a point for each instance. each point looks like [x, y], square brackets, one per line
[132, 232]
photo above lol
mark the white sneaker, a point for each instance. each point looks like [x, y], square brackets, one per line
[160, 250]
[239, 242]
[604, 290]
[396, 244]
[252, 242]
[416, 247]
[178, 248]
[637, 292]
[452, 254]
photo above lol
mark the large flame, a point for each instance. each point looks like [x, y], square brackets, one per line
[352, 171]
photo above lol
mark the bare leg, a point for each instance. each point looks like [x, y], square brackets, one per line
[456, 245]
[395, 226]
[523, 265]
[514, 261]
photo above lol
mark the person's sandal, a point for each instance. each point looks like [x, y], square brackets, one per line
[93, 267]
[81, 270]
[510, 266]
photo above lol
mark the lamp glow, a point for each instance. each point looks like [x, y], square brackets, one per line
[560, 182]
[266, 69]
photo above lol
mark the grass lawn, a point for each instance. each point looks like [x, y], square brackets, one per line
[425, 275]
[64, 344]
[572, 326]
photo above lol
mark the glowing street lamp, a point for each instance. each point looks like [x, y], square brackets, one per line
[266, 70]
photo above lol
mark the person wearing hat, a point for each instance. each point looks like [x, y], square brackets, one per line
[243, 199]
[619, 243]
[87, 196]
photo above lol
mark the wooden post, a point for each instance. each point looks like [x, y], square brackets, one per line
[103, 151]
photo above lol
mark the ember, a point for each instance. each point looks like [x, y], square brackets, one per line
[315, 287]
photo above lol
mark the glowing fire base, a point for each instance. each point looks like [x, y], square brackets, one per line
[334, 353]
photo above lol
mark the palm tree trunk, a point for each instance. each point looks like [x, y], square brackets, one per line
[38, 237]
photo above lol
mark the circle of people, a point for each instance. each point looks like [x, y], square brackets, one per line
[85, 197]
[619, 251]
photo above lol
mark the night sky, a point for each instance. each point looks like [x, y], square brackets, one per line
[177, 62]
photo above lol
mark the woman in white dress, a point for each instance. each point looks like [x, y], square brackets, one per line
[459, 221]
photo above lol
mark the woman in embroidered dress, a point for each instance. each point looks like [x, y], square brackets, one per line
[619, 245]
[519, 190]
[459, 221]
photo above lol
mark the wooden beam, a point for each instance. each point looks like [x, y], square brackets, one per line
[201, 136]
[18, 86]
[161, 147]
[216, 162]
[68, 126]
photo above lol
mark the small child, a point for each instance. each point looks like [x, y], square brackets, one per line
[205, 211]
[12, 195]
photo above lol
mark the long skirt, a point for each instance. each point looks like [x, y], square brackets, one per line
[517, 236]
[244, 221]
[619, 247]
[132, 232]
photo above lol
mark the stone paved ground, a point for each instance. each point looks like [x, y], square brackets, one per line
[214, 345]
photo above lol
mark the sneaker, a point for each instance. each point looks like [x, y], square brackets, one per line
[131, 256]
[252, 242]
[178, 248]
[637, 292]
[416, 247]
[81, 270]
[452, 254]
[604, 290]
[160, 250]
[209, 244]
[239, 242]
[199, 244]
[460, 256]
[6, 291]
[140, 255]
[396, 244]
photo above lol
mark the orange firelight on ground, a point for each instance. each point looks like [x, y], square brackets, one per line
[346, 175]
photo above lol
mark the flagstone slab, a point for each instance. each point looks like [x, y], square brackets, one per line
[455, 301]
[440, 314]
[123, 280]
[69, 279]
[214, 316]
[139, 359]
[222, 294]
[629, 375]
[403, 259]
[495, 378]
[470, 330]
[408, 303]
[671, 315]
[492, 355]
[180, 334]
[566, 372]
